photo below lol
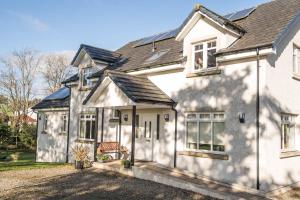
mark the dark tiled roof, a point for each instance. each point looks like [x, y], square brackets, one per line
[265, 24]
[98, 54]
[73, 78]
[139, 89]
[58, 99]
[135, 57]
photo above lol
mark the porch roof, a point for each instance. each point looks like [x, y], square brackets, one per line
[138, 89]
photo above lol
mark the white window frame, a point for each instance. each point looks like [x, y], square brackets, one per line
[86, 72]
[87, 117]
[205, 54]
[45, 124]
[199, 120]
[296, 57]
[288, 119]
[64, 125]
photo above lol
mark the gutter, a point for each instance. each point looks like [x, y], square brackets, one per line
[175, 136]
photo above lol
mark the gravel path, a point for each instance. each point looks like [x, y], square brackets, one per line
[66, 183]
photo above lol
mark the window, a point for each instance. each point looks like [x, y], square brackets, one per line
[45, 128]
[157, 126]
[296, 60]
[86, 72]
[137, 126]
[205, 131]
[156, 55]
[115, 114]
[87, 126]
[204, 55]
[287, 132]
[64, 123]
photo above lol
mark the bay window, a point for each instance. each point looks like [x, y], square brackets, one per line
[287, 132]
[204, 55]
[87, 126]
[205, 131]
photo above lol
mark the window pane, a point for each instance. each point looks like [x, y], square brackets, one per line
[211, 59]
[204, 116]
[82, 128]
[219, 116]
[191, 116]
[93, 129]
[199, 47]
[205, 135]
[88, 130]
[218, 136]
[198, 60]
[192, 135]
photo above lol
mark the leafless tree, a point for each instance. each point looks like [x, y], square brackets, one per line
[17, 75]
[55, 70]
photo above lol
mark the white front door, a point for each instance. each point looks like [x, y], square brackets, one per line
[145, 133]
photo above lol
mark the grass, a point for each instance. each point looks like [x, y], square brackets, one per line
[18, 160]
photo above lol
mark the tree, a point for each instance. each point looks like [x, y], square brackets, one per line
[55, 70]
[17, 76]
[5, 135]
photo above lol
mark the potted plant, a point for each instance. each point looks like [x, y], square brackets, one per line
[103, 158]
[126, 164]
[80, 154]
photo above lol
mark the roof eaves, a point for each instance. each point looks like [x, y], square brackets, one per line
[235, 51]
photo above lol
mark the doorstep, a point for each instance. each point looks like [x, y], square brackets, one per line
[172, 177]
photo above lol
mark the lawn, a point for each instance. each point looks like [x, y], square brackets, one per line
[18, 160]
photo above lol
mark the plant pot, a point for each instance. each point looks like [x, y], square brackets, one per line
[79, 164]
[127, 165]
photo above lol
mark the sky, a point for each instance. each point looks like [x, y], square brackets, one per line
[62, 25]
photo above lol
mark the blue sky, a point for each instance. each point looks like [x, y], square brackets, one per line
[59, 25]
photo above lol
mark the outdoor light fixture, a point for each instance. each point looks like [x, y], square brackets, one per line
[242, 117]
[166, 117]
[125, 117]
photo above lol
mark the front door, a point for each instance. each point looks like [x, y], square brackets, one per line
[145, 131]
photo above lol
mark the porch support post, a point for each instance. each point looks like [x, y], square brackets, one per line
[96, 134]
[102, 125]
[133, 135]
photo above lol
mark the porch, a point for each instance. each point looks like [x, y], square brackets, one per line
[181, 179]
[142, 112]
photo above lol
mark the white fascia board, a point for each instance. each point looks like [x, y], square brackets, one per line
[186, 29]
[243, 55]
[52, 109]
[196, 17]
[157, 70]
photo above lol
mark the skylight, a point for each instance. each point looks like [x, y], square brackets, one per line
[156, 55]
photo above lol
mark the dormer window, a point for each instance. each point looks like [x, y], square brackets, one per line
[86, 72]
[204, 55]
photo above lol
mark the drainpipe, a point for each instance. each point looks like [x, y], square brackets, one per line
[175, 136]
[69, 119]
[257, 119]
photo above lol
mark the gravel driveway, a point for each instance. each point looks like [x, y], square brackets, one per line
[66, 183]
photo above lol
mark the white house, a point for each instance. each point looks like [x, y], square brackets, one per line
[218, 97]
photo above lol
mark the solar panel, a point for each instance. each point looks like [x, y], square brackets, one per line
[157, 37]
[240, 14]
[59, 94]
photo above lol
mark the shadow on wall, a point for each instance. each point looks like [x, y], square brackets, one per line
[231, 94]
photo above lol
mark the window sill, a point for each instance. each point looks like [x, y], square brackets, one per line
[296, 76]
[85, 141]
[206, 72]
[113, 120]
[44, 132]
[289, 154]
[85, 88]
[204, 155]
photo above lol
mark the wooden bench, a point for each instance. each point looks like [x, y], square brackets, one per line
[111, 147]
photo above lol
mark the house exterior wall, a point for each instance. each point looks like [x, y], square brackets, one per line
[280, 95]
[51, 144]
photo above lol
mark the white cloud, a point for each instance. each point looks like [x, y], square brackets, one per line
[30, 20]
